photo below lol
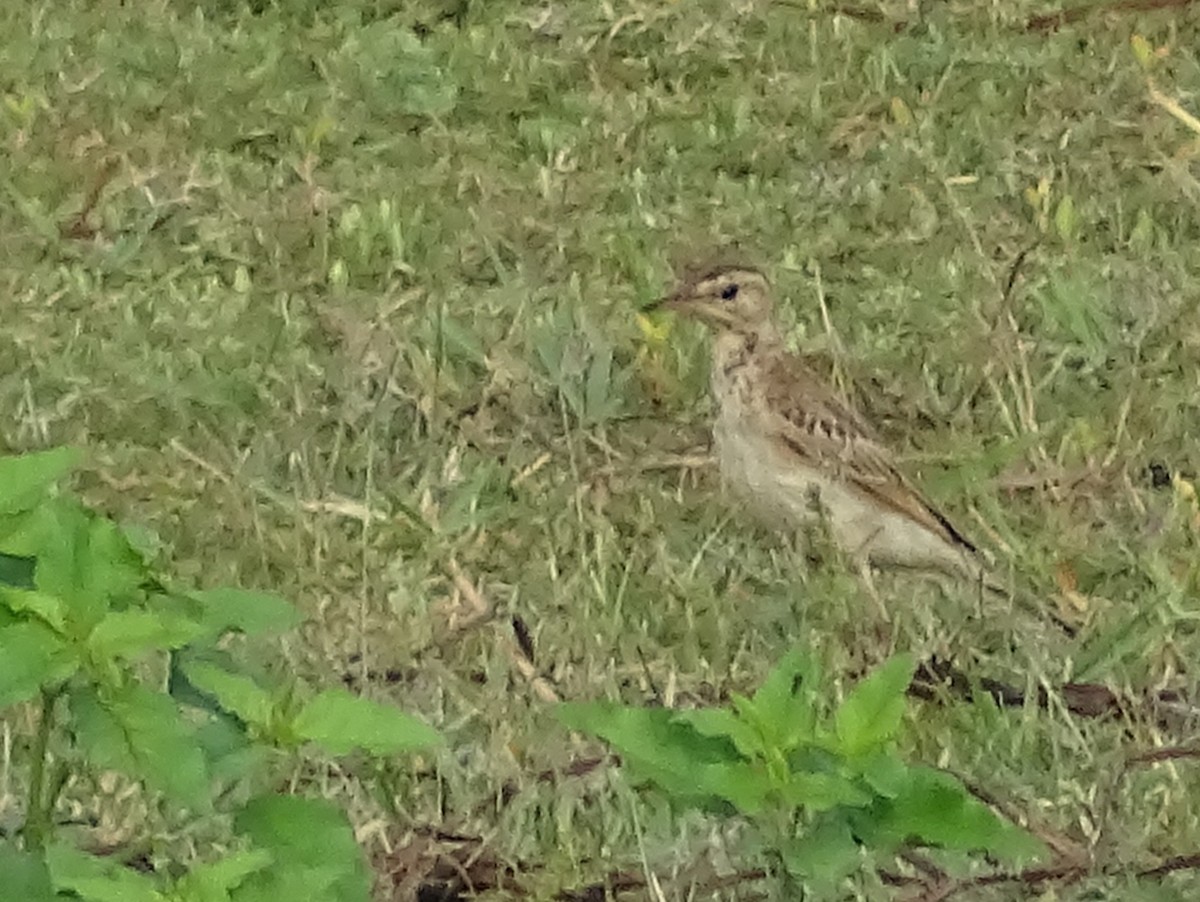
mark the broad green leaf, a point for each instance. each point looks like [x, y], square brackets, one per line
[815, 759]
[655, 745]
[181, 688]
[935, 809]
[17, 571]
[98, 733]
[60, 531]
[133, 633]
[316, 855]
[24, 479]
[716, 722]
[785, 700]
[20, 536]
[647, 733]
[744, 785]
[47, 608]
[117, 570]
[212, 882]
[821, 792]
[32, 657]
[23, 875]
[340, 722]
[871, 713]
[230, 753]
[144, 541]
[235, 693]
[884, 773]
[245, 612]
[140, 732]
[324, 882]
[824, 856]
[98, 879]
[86, 561]
[746, 711]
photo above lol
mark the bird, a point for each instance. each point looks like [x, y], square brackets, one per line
[795, 452]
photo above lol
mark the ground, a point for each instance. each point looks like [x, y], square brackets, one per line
[343, 302]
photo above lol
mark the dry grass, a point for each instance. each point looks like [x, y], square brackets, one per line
[351, 316]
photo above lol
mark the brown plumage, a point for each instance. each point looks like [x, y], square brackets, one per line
[784, 439]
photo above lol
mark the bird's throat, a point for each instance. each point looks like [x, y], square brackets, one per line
[734, 350]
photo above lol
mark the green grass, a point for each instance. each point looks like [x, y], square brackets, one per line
[387, 257]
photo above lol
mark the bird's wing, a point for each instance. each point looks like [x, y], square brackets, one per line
[809, 421]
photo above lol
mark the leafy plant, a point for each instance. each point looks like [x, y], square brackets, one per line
[82, 616]
[821, 787]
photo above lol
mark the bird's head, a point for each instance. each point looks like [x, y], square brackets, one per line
[731, 298]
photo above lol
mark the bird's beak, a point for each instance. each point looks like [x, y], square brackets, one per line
[671, 301]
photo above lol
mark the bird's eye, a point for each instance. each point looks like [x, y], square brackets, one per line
[729, 292]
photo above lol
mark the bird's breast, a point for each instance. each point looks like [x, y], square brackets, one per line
[748, 462]
[753, 464]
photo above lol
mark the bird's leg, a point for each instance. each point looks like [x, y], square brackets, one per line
[859, 555]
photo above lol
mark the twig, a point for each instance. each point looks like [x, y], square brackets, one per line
[1172, 106]
[480, 609]
[1030, 878]
[431, 862]
[1062, 872]
[861, 14]
[940, 887]
[926, 866]
[343, 507]
[78, 226]
[1082, 699]
[523, 637]
[1170, 753]
[539, 684]
[1015, 270]
[1171, 865]
[666, 462]
[199, 461]
[1054, 21]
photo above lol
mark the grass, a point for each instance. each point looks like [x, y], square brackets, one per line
[356, 304]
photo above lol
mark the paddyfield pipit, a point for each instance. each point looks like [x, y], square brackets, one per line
[795, 452]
